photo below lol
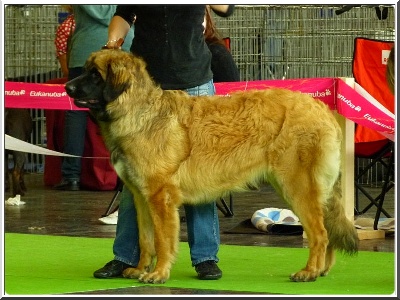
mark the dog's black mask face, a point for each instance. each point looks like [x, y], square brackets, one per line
[87, 90]
[105, 79]
[94, 89]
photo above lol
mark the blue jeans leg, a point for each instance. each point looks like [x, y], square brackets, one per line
[74, 137]
[203, 232]
[74, 142]
[126, 243]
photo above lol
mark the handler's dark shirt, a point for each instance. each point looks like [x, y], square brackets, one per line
[171, 41]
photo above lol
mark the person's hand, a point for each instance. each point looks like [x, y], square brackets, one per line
[223, 10]
[114, 44]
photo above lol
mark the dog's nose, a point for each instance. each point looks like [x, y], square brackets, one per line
[70, 89]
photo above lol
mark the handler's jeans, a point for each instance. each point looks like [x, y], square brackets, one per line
[74, 137]
[202, 221]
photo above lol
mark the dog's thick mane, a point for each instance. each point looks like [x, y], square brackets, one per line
[140, 94]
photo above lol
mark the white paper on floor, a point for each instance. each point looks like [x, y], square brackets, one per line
[15, 201]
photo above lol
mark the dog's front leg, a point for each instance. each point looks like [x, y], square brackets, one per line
[164, 212]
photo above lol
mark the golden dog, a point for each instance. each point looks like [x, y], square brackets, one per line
[170, 148]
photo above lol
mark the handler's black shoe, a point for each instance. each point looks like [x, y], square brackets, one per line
[208, 270]
[67, 185]
[112, 269]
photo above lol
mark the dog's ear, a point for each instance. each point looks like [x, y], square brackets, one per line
[116, 82]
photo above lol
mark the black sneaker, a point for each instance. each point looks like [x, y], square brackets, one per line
[208, 270]
[112, 269]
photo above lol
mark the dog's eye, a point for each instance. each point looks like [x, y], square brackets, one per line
[93, 71]
[95, 74]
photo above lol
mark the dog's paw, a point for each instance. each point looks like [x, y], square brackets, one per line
[154, 277]
[132, 273]
[325, 273]
[304, 276]
[19, 192]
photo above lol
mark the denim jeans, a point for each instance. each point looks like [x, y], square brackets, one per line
[201, 220]
[74, 137]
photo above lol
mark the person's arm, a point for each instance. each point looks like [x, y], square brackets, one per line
[62, 59]
[119, 26]
[223, 10]
[223, 66]
[63, 33]
[117, 30]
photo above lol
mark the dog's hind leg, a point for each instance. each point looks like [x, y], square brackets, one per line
[329, 260]
[164, 212]
[306, 200]
[310, 214]
[18, 124]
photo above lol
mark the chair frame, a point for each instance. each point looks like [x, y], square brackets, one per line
[387, 183]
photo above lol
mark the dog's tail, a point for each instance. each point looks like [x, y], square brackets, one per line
[341, 231]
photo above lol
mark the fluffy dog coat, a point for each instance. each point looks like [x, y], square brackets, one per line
[170, 148]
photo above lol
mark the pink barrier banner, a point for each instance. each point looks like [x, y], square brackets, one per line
[37, 95]
[53, 96]
[360, 107]
[320, 88]
[354, 104]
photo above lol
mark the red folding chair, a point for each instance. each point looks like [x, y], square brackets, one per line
[369, 71]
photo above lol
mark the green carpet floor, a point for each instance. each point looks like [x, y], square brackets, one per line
[43, 265]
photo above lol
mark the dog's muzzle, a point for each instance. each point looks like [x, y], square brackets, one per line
[84, 90]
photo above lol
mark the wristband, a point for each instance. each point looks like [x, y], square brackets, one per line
[118, 43]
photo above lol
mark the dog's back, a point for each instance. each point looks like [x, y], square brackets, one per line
[251, 136]
[18, 124]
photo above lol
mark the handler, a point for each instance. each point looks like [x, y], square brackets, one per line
[171, 41]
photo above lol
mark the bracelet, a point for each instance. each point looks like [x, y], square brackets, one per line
[118, 43]
[111, 41]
